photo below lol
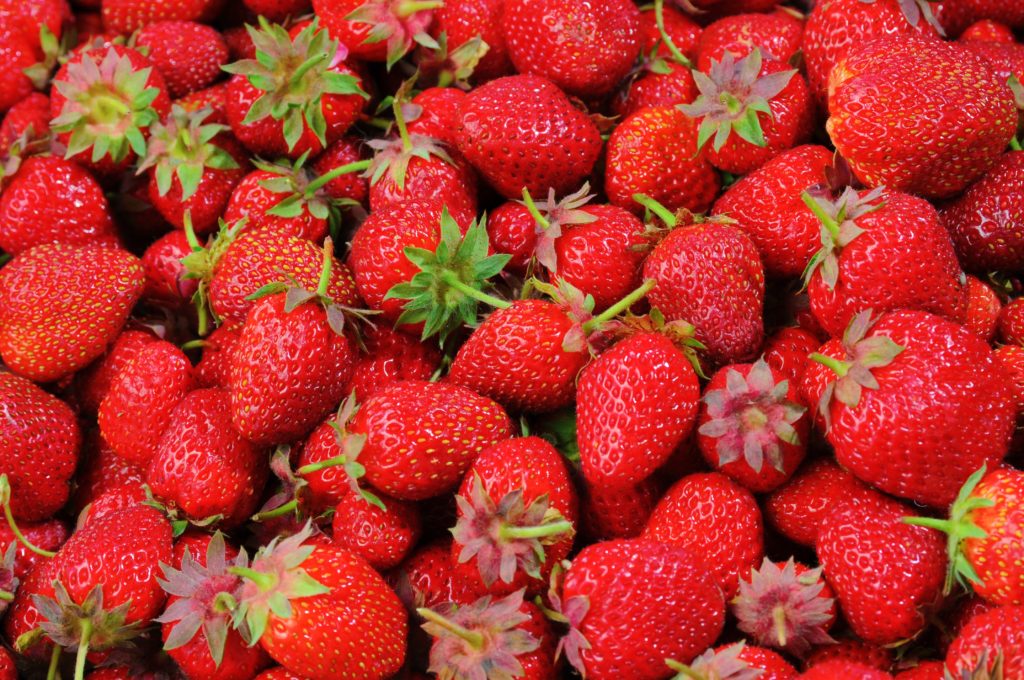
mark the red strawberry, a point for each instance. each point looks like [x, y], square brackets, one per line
[985, 30]
[41, 439]
[585, 48]
[923, 670]
[273, 115]
[100, 471]
[47, 290]
[983, 307]
[711, 516]
[956, 117]
[853, 650]
[1010, 322]
[654, 152]
[214, 368]
[383, 537]
[19, 54]
[777, 36]
[426, 578]
[48, 536]
[278, 10]
[30, 115]
[660, 82]
[464, 20]
[349, 185]
[787, 349]
[391, 356]
[188, 55]
[673, 605]
[866, 386]
[498, 134]
[435, 112]
[737, 660]
[841, 668]
[214, 98]
[992, 641]
[29, 17]
[878, 563]
[618, 512]
[94, 382]
[408, 427]
[125, 16]
[377, 30]
[679, 27]
[167, 282]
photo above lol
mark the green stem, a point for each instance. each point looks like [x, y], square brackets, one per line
[659, 19]
[663, 213]
[1015, 144]
[819, 212]
[619, 307]
[539, 531]
[198, 343]
[942, 525]
[325, 268]
[5, 493]
[403, 131]
[305, 66]
[263, 581]
[51, 671]
[83, 649]
[337, 172]
[224, 603]
[682, 669]
[322, 465]
[476, 640]
[840, 368]
[6, 596]
[203, 319]
[453, 280]
[410, 7]
[279, 511]
[190, 232]
[534, 212]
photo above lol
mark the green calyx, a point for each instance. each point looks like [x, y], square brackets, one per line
[959, 527]
[731, 97]
[399, 23]
[458, 64]
[201, 263]
[108, 105]
[448, 290]
[182, 146]
[838, 228]
[295, 75]
[302, 190]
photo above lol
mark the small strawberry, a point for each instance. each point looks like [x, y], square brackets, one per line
[214, 367]
[125, 16]
[737, 661]
[383, 537]
[991, 645]
[189, 55]
[167, 282]
[852, 649]
[1010, 323]
[435, 112]
[983, 308]
[347, 151]
[378, 30]
[618, 511]
[101, 470]
[30, 115]
[214, 98]
[841, 668]
[986, 30]
[19, 55]
[676, 26]
[787, 349]
[46, 536]
[777, 36]
[94, 382]
[660, 82]
[391, 356]
[426, 578]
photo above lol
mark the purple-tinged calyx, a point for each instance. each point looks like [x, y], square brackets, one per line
[838, 228]
[915, 10]
[551, 215]
[724, 664]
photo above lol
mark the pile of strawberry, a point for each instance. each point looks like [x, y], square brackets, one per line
[494, 339]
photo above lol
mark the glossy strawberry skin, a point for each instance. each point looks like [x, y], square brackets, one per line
[391, 356]
[786, 351]
[49, 535]
[840, 668]
[412, 424]
[29, 115]
[777, 35]
[996, 556]
[998, 629]
[983, 308]
[214, 367]
[250, 199]
[657, 89]
[684, 31]
[125, 16]
[945, 377]
[166, 284]
[618, 512]
[463, 20]
[101, 470]
[453, 183]
[381, 537]
[350, 185]
[188, 54]
[439, 114]
[636, 403]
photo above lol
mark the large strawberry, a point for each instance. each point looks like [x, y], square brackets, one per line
[870, 390]
[45, 294]
[990, 645]
[777, 36]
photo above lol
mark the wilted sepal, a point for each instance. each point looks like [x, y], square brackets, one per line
[551, 215]
[455, 67]
[989, 666]
[70, 624]
[571, 613]
[838, 228]
[721, 665]
[8, 581]
[577, 306]
[392, 156]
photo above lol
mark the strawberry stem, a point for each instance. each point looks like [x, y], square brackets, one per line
[659, 20]
[779, 618]
[198, 343]
[403, 131]
[264, 582]
[337, 172]
[325, 269]
[190, 232]
[476, 640]
[5, 500]
[322, 465]
[534, 212]
[682, 669]
[6, 596]
[83, 648]
[663, 213]
[452, 279]
[819, 212]
[51, 671]
[224, 603]
[541, 531]
[410, 7]
[303, 68]
[840, 368]
[279, 511]
[619, 307]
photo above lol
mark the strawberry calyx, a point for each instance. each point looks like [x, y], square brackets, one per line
[783, 609]
[28, 143]
[182, 146]
[393, 155]
[959, 527]
[571, 613]
[732, 94]
[201, 263]
[551, 215]
[480, 637]
[838, 228]
[448, 290]
[108, 105]
[659, 221]
[853, 372]
[509, 535]
[295, 75]
[751, 417]
[206, 597]
[303, 190]
[179, 523]
[291, 498]
[399, 22]
[579, 308]
[8, 581]
[724, 664]
[456, 67]
[915, 10]
[52, 50]
[5, 502]
[680, 332]
[985, 668]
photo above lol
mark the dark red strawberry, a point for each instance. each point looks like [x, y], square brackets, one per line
[125, 16]
[101, 470]
[618, 512]
[345, 152]
[214, 368]
[435, 112]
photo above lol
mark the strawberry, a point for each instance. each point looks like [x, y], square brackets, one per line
[19, 55]
[101, 470]
[410, 423]
[41, 437]
[167, 282]
[906, 567]
[103, 101]
[751, 426]
[683, 31]
[654, 152]
[214, 98]
[296, 95]
[992, 642]
[277, 10]
[853, 650]
[1010, 322]
[986, 30]
[377, 30]
[923, 670]
[30, 115]
[276, 402]
[674, 606]
[786, 351]
[956, 117]
[52, 200]
[766, 205]
[864, 384]
[125, 16]
[958, 15]
[585, 48]
[709, 273]
[848, 670]
[738, 661]
[188, 55]
[142, 397]
[465, 20]
[391, 356]
[383, 537]
[983, 221]
[214, 368]
[618, 512]
[983, 307]
[732, 95]
[202, 467]
[48, 536]
[349, 185]
[94, 382]
[29, 17]
[497, 134]
[426, 578]
[435, 112]
[777, 36]
[8, 671]
[341, 618]
[47, 289]
[659, 82]
[711, 516]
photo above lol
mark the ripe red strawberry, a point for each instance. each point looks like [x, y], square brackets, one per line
[272, 115]
[97, 134]
[349, 185]
[636, 403]
[660, 82]
[734, 92]
[710, 275]
[381, 537]
[426, 578]
[19, 54]
[214, 98]
[683, 31]
[214, 368]
[654, 152]
[497, 134]
[983, 221]
[777, 36]
[47, 290]
[877, 563]
[29, 17]
[923, 670]
[842, 668]
[956, 16]
[464, 20]
[377, 30]
[711, 516]
[125, 16]
[751, 426]
[767, 206]
[41, 439]
[865, 386]
[618, 512]
[29, 116]
[673, 604]
[991, 642]
[854, 650]
[94, 382]
[859, 231]
[52, 200]
[585, 48]
[737, 660]
[342, 619]
[48, 535]
[983, 308]
[167, 282]
[391, 356]
[435, 112]
[786, 351]
[189, 55]
[278, 10]
[985, 30]
[1010, 322]
[956, 116]
[101, 470]
[422, 437]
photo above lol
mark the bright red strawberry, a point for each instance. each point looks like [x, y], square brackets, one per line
[683, 31]
[125, 16]
[167, 282]
[29, 116]
[382, 537]
[866, 387]
[956, 16]
[426, 578]
[991, 642]
[1010, 322]
[391, 356]
[29, 17]
[786, 351]
[19, 54]
[886, 573]
[41, 439]
[296, 95]
[408, 427]
[711, 516]
[464, 20]
[841, 668]
[47, 290]
[737, 660]
[777, 36]
[923, 670]
[214, 98]
[138, 406]
[435, 112]
[349, 185]
[751, 426]
[48, 535]
[767, 206]
[985, 223]
[660, 82]
[956, 117]
[618, 512]
[654, 152]
[101, 470]
[986, 30]
[673, 604]
[342, 619]
[500, 134]
[214, 367]
[983, 308]
[94, 382]
[189, 55]
[377, 30]
[854, 650]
